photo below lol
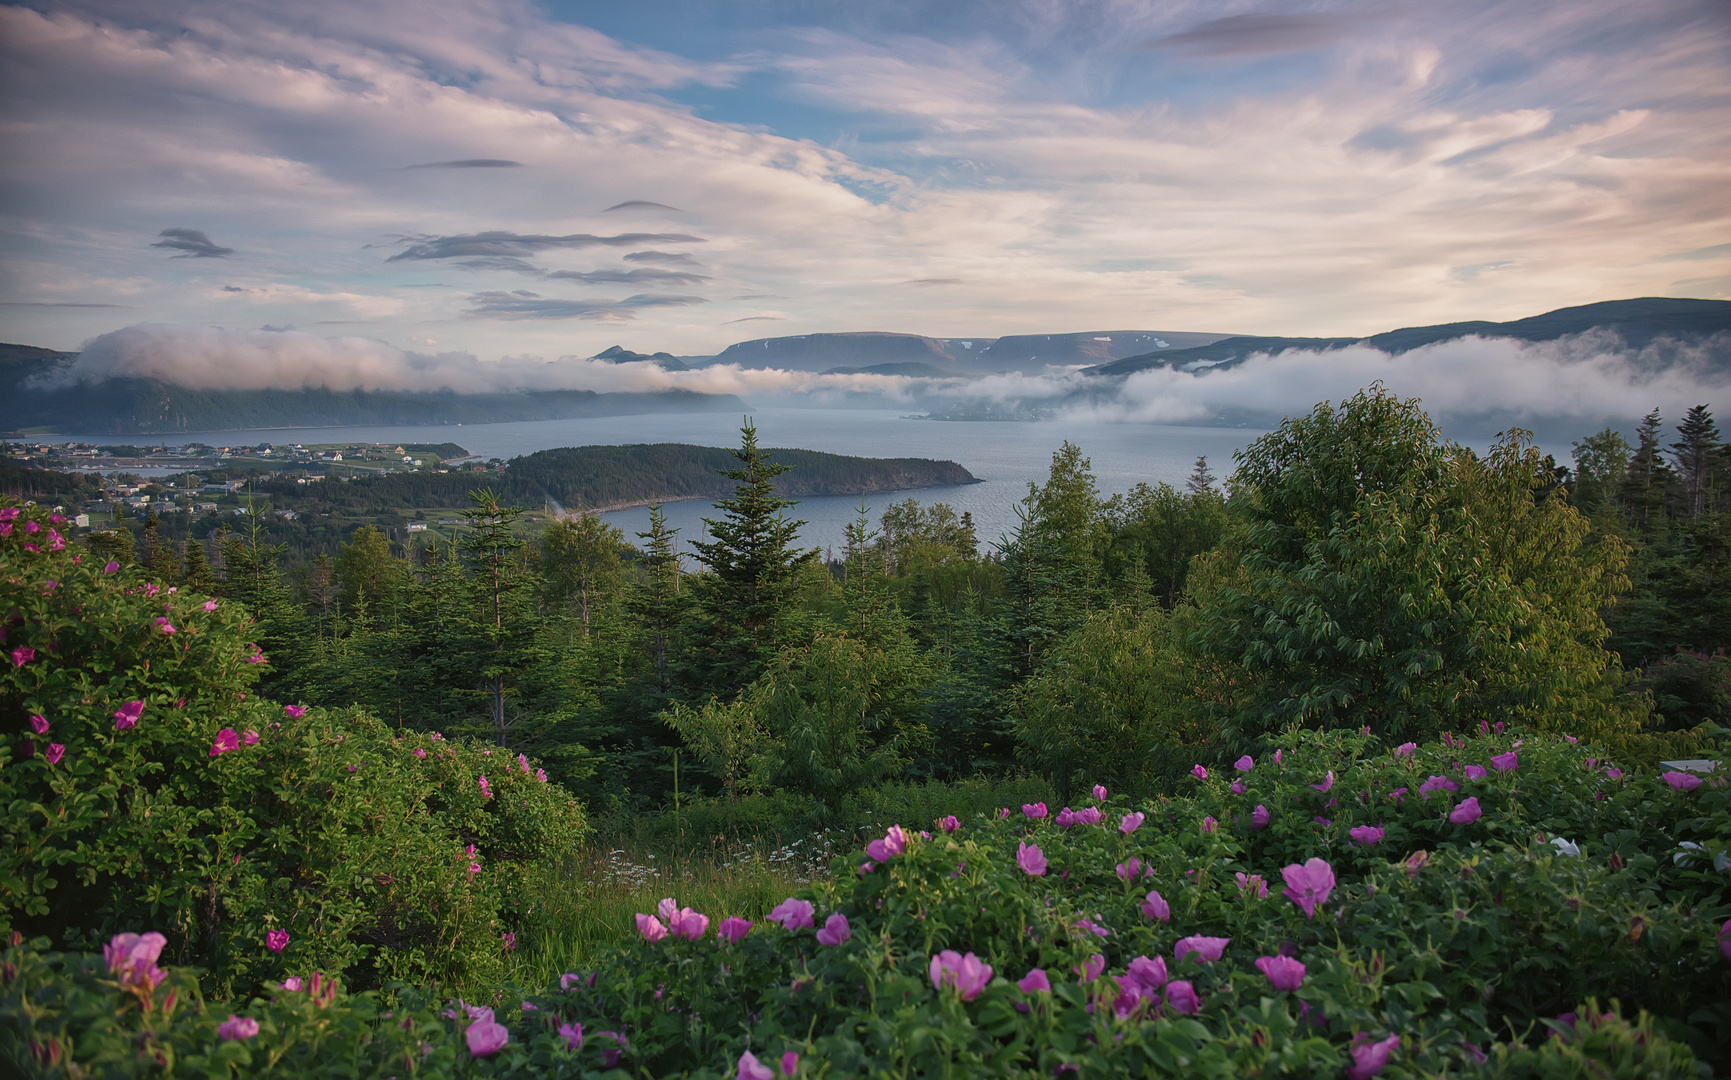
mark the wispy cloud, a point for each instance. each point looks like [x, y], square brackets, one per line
[641, 204]
[522, 304]
[470, 163]
[505, 244]
[192, 244]
[1239, 35]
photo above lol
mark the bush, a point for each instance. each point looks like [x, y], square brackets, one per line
[147, 787]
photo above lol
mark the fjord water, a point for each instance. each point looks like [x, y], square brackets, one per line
[1005, 456]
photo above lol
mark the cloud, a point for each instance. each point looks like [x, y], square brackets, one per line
[598, 277]
[757, 318]
[521, 304]
[53, 304]
[641, 204]
[517, 244]
[678, 257]
[1239, 35]
[192, 244]
[470, 163]
[934, 281]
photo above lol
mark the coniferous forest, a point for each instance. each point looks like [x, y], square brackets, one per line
[1039, 786]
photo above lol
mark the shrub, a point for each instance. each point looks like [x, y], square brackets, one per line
[147, 787]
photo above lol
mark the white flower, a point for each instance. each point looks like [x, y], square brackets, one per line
[1565, 847]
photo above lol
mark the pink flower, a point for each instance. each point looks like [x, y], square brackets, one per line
[38, 723]
[573, 1036]
[1182, 997]
[22, 655]
[133, 958]
[894, 843]
[1398, 795]
[236, 1028]
[1030, 859]
[1089, 815]
[486, 788]
[1003, 813]
[1308, 885]
[474, 868]
[227, 739]
[1245, 763]
[1253, 884]
[1209, 949]
[1572, 739]
[164, 625]
[1259, 817]
[1198, 772]
[486, 1036]
[292, 984]
[966, 974]
[1368, 835]
[1324, 822]
[1467, 812]
[1088, 926]
[1090, 969]
[793, 914]
[541, 775]
[1615, 774]
[649, 928]
[56, 751]
[835, 930]
[1502, 763]
[509, 940]
[32, 527]
[111, 567]
[1437, 783]
[1100, 792]
[523, 763]
[1150, 975]
[294, 712]
[1725, 940]
[1129, 823]
[1034, 811]
[1327, 783]
[276, 940]
[948, 823]
[733, 929]
[210, 605]
[1405, 749]
[1156, 907]
[10, 514]
[1034, 982]
[419, 752]
[1283, 972]
[1278, 755]
[612, 1055]
[752, 1069]
[1476, 772]
[1368, 1058]
[1238, 787]
[249, 737]
[1681, 781]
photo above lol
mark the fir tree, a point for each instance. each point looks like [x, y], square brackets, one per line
[199, 577]
[1696, 452]
[656, 601]
[1648, 478]
[159, 555]
[1201, 480]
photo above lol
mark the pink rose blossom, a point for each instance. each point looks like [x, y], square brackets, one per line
[1209, 949]
[1681, 781]
[1437, 783]
[1031, 860]
[1034, 982]
[1209, 824]
[1245, 763]
[1148, 974]
[249, 737]
[236, 1028]
[688, 924]
[1034, 811]
[227, 739]
[949, 823]
[967, 975]
[1503, 763]
[835, 930]
[1252, 884]
[1183, 998]
[793, 914]
[38, 723]
[752, 1069]
[133, 958]
[1405, 749]
[1129, 823]
[1284, 973]
[1238, 787]
[1090, 969]
[733, 929]
[1368, 1057]
[649, 928]
[22, 655]
[1467, 812]
[1198, 772]
[573, 1036]
[1259, 817]
[1309, 884]
[486, 1036]
[56, 751]
[541, 775]
[1368, 835]
[294, 712]
[276, 940]
[486, 788]
[1156, 907]
[1327, 783]
[1100, 792]
[1476, 772]
[1089, 815]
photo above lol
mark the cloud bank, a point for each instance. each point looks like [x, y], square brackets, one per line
[1592, 377]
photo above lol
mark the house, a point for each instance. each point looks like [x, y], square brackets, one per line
[417, 526]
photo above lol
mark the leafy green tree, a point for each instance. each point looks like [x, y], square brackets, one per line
[743, 606]
[1395, 581]
[1601, 468]
[1159, 530]
[366, 569]
[578, 559]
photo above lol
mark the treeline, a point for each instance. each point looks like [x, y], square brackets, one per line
[1357, 570]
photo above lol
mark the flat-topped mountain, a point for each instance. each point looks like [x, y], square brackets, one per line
[872, 351]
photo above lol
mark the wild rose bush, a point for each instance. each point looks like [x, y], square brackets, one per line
[148, 787]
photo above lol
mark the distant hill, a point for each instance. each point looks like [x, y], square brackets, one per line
[1637, 323]
[610, 477]
[151, 406]
[873, 351]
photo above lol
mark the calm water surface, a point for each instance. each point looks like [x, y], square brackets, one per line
[1005, 456]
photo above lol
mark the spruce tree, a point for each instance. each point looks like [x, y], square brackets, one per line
[1201, 480]
[1648, 478]
[743, 616]
[159, 555]
[655, 602]
[199, 577]
[1696, 452]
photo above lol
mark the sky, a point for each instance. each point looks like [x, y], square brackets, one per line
[518, 182]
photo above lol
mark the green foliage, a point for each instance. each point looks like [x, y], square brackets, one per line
[1395, 581]
[163, 793]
